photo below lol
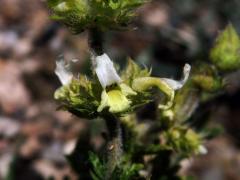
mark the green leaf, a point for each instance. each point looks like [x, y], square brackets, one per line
[99, 168]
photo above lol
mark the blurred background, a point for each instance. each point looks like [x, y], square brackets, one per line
[168, 33]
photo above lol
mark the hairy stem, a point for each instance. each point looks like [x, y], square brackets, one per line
[114, 145]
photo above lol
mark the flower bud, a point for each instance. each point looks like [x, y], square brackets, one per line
[226, 51]
[80, 15]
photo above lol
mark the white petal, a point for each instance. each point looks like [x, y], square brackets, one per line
[105, 71]
[69, 147]
[63, 71]
[175, 85]
[202, 149]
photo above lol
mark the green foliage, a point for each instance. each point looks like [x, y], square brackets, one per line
[80, 15]
[99, 168]
[124, 171]
[226, 51]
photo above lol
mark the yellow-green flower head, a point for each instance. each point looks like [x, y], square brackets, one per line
[109, 92]
[115, 93]
[80, 15]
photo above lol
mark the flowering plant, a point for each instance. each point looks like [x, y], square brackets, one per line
[116, 96]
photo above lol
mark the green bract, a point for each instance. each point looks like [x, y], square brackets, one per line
[226, 51]
[80, 97]
[79, 15]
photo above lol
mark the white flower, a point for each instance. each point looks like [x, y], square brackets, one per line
[63, 70]
[175, 85]
[116, 97]
[166, 85]
[106, 73]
